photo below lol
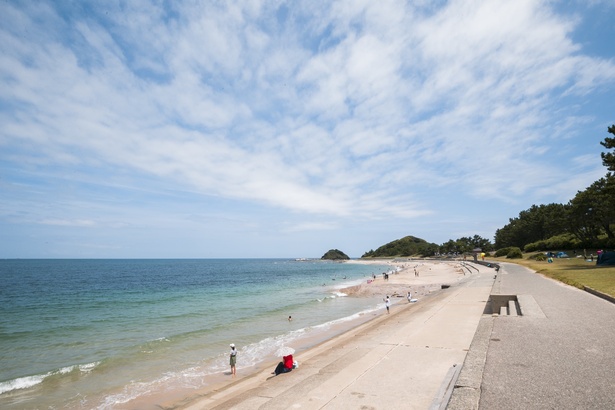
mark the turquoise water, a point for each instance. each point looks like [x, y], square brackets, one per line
[98, 333]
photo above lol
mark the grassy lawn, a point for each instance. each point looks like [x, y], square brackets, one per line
[573, 271]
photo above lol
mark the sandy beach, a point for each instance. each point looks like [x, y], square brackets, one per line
[419, 277]
[326, 370]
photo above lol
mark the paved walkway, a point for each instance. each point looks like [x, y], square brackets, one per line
[559, 355]
[400, 361]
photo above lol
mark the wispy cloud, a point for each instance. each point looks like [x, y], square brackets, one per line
[358, 110]
[65, 222]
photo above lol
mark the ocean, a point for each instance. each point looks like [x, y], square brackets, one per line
[97, 334]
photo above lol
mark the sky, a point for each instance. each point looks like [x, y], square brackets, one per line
[264, 129]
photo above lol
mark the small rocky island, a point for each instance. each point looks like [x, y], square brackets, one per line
[335, 255]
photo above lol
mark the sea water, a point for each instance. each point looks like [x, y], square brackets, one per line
[100, 333]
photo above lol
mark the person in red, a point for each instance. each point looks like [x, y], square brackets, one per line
[285, 366]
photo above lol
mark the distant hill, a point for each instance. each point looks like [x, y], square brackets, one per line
[335, 254]
[407, 246]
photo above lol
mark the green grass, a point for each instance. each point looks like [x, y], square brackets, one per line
[573, 271]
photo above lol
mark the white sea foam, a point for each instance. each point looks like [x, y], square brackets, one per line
[193, 377]
[31, 381]
[21, 383]
[86, 368]
[349, 283]
[346, 318]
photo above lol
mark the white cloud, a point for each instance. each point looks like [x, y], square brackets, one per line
[345, 109]
[66, 222]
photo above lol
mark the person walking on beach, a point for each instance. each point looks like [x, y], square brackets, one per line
[233, 357]
[409, 297]
[387, 303]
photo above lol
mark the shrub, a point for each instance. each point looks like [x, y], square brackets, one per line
[565, 241]
[503, 251]
[538, 257]
[535, 246]
[514, 253]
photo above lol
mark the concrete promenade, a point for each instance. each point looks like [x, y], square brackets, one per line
[560, 354]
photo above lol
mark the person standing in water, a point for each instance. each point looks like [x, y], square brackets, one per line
[233, 357]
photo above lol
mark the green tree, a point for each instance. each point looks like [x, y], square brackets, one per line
[590, 215]
[592, 211]
[447, 247]
[505, 236]
[466, 244]
[479, 242]
[532, 225]
[608, 158]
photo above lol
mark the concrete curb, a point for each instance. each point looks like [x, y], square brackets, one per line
[466, 394]
[467, 390]
[446, 390]
[595, 292]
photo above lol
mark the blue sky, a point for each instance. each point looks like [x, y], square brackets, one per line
[196, 129]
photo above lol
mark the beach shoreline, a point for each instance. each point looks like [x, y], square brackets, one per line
[423, 278]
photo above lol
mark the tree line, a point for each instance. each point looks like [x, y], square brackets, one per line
[411, 245]
[586, 221]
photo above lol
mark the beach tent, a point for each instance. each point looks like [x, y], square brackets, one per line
[606, 258]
